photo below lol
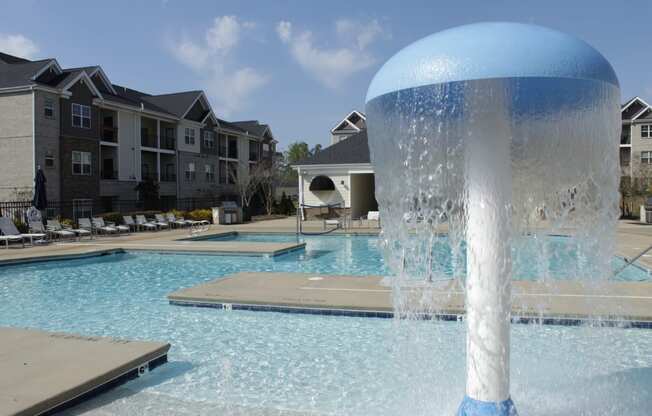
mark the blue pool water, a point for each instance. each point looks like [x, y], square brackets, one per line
[361, 255]
[255, 363]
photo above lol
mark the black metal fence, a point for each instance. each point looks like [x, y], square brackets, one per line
[81, 208]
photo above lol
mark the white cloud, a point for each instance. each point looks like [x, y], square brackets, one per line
[228, 85]
[332, 66]
[363, 34]
[18, 45]
[284, 30]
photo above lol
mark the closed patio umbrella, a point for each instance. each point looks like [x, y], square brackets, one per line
[40, 200]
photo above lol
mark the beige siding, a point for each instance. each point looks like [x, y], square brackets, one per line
[16, 144]
[639, 145]
[47, 141]
[342, 192]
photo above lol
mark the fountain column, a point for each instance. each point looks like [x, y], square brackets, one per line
[488, 178]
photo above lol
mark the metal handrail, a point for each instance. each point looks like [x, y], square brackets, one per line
[630, 262]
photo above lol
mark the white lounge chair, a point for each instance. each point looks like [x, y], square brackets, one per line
[11, 233]
[55, 226]
[101, 227]
[179, 222]
[129, 222]
[142, 222]
[85, 224]
[374, 216]
[160, 221]
[121, 228]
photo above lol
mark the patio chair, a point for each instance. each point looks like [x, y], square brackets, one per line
[121, 228]
[38, 227]
[143, 223]
[56, 227]
[160, 221]
[129, 222]
[102, 227]
[179, 222]
[85, 224]
[11, 233]
[374, 216]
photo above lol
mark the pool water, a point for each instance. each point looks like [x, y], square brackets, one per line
[264, 363]
[361, 255]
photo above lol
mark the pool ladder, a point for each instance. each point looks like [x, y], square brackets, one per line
[632, 261]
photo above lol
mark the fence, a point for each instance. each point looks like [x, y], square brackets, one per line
[81, 208]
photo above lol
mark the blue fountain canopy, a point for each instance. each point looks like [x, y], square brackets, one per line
[491, 50]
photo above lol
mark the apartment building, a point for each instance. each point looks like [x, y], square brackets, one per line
[636, 139]
[96, 140]
[352, 124]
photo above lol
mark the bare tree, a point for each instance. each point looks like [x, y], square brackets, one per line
[246, 179]
[270, 176]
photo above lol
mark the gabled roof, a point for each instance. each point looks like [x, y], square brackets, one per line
[20, 73]
[633, 108]
[353, 150]
[177, 103]
[254, 127]
[347, 124]
[229, 126]
[10, 59]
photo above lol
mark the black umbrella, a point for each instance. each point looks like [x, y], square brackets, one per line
[40, 200]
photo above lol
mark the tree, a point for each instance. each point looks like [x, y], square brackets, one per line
[297, 151]
[246, 179]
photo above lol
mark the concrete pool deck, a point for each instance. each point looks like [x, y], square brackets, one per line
[629, 303]
[48, 371]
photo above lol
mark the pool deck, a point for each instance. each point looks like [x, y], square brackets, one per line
[627, 303]
[47, 371]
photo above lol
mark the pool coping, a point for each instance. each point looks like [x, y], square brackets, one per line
[46, 353]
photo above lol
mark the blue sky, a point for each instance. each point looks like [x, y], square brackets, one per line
[298, 65]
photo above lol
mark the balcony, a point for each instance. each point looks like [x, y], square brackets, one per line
[168, 177]
[109, 174]
[168, 142]
[148, 140]
[110, 134]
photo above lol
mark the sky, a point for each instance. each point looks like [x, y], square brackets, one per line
[299, 66]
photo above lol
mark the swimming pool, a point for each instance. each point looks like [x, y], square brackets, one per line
[361, 255]
[242, 362]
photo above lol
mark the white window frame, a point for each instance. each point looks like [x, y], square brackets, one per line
[646, 131]
[209, 137]
[646, 157]
[190, 171]
[83, 159]
[83, 112]
[48, 104]
[210, 173]
[189, 136]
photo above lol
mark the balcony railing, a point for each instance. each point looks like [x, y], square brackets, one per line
[109, 174]
[148, 140]
[168, 142]
[110, 134]
[153, 176]
[168, 177]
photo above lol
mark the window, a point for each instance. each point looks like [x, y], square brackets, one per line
[222, 171]
[49, 161]
[233, 172]
[48, 108]
[646, 158]
[222, 145]
[190, 172]
[209, 139]
[253, 151]
[81, 116]
[81, 163]
[265, 147]
[646, 131]
[190, 136]
[233, 147]
[210, 173]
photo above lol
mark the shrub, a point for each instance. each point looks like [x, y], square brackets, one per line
[201, 214]
[114, 217]
[178, 213]
[67, 222]
[21, 226]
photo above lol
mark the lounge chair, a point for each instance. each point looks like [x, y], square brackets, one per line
[160, 221]
[179, 222]
[121, 228]
[373, 216]
[60, 233]
[85, 224]
[129, 222]
[101, 227]
[54, 226]
[143, 223]
[11, 233]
